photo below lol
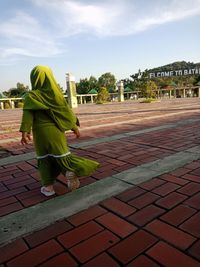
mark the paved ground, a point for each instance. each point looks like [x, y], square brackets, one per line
[141, 208]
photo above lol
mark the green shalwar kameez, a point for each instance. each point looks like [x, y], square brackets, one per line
[47, 113]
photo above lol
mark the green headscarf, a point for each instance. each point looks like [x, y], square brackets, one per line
[46, 95]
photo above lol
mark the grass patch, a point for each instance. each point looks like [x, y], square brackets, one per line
[148, 100]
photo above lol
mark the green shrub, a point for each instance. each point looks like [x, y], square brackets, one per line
[20, 105]
[99, 102]
[103, 96]
[148, 89]
[148, 100]
[7, 105]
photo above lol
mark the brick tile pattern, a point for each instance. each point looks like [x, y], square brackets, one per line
[79, 234]
[143, 260]
[170, 234]
[145, 215]
[132, 246]
[62, 260]
[12, 250]
[118, 207]
[48, 233]
[93, 246]
[37, 255]
[170, 256]
[153, 224]
[117, 225]
[194, 250]
[178, 215]
[155, 215]
[102, 260]
[192, 225]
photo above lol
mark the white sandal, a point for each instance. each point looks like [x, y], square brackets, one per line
[47, 193]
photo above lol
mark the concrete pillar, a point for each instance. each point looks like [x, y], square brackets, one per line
[2, 105]
[199, 92]
[170, 93]
[120, 86]
[71, 90]
[92, 100]
[175, 93]
[12, 104]
[184, 93]
[81, 99]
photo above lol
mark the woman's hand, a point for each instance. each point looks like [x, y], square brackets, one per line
[76, 132]
[25, 138]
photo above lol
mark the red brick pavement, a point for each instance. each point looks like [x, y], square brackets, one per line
[19, 182]
[152, 224]
[115, 113]
[130, 229]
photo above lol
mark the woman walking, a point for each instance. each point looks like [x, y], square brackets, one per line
[47, 114]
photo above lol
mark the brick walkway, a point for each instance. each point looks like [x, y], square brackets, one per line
[153, 223]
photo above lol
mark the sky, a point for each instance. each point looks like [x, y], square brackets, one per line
[89, 37]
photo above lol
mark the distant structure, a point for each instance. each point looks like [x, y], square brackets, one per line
[120, 86]
[170, 73]
[71, 90]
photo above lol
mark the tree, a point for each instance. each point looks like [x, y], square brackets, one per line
[197, 80]
[103, 95]
[128, 83]
[86, 85]
[139, 79]
[83, 86]
[148, 89]
[108, 81]
[93, 83]
[6, 93]
[17, 91]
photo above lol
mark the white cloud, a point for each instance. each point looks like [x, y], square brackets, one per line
[40, 31]
[74, 17]
[24, 35]
[174, 11]
[122, 17]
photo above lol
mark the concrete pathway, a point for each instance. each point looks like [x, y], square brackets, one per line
[141, 208]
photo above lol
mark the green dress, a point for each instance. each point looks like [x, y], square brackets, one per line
[48, 115]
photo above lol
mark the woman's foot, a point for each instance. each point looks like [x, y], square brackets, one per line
[47, 191]
[72, 181]
[73, 184]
